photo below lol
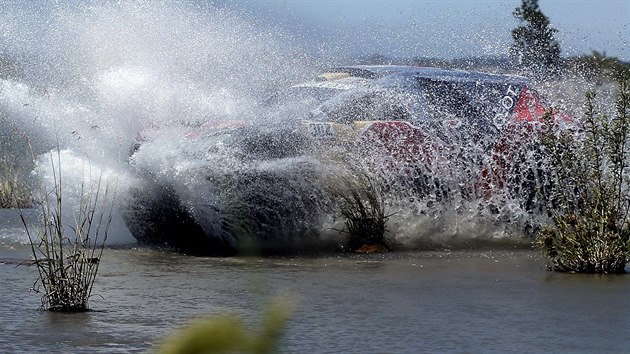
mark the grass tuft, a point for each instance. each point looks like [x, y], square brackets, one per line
[361, 203]
[67, 257]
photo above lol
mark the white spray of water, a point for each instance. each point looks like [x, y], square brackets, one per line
[91, 76]
[86, 188]
[88, 78]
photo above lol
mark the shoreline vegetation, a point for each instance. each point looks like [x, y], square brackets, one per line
[590, 197]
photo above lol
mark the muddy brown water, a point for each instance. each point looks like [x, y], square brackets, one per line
[404, 302]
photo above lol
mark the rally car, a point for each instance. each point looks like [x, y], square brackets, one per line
[426, 131]
[425, 127]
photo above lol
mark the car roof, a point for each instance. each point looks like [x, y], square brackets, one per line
[399, 71]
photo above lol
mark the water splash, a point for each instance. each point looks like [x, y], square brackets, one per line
[90, 78]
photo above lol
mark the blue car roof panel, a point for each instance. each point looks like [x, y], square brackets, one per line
[391, 71]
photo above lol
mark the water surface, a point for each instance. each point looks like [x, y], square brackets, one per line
[407, 302]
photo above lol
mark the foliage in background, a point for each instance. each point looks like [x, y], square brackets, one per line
[16, 163]
[597, 66]
[14, 191]
[535, 46]
[67, 257]
[590, 201]
[227, 334]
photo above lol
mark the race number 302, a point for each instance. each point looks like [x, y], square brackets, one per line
[321, 130]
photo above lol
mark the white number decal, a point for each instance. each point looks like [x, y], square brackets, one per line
[321, 130]
[506, 104]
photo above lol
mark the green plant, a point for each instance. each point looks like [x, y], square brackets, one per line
[590, 201]
[361, 203]
[68, 266]
[227, 334]
[14, 192]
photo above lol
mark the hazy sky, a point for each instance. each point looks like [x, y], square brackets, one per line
[447, 28]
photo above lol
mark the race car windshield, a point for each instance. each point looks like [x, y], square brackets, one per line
[295, 103]
[368, 105]
[301, 95]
